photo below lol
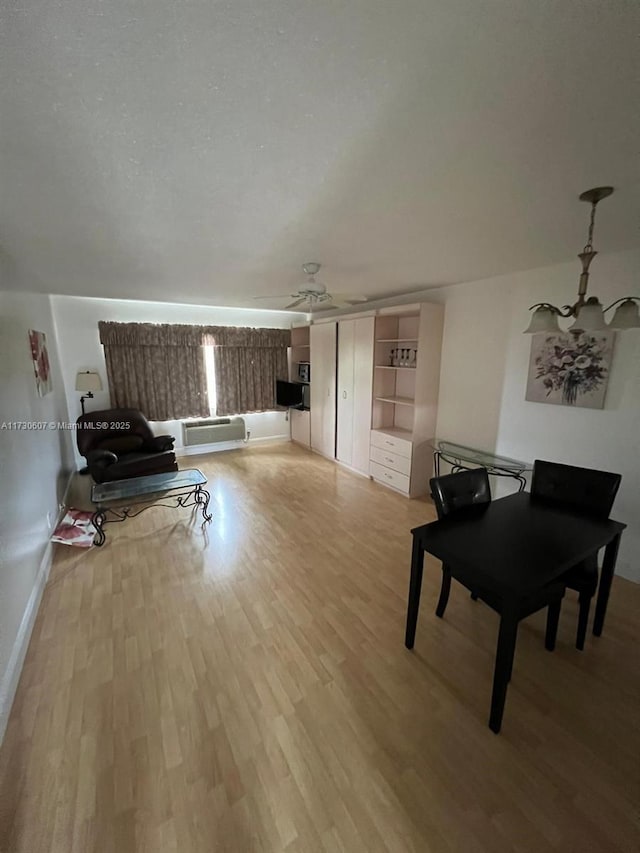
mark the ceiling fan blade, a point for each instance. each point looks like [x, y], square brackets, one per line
[346, 300]
[275, 296]
[295, 303]
[349, 297]
[321, 306]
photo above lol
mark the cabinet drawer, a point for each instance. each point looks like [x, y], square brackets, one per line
[391, 460]
[389, 442]
[389, 477]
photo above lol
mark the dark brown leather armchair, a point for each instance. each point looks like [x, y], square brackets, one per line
[119, 443]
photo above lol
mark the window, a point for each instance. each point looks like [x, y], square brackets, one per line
[210, 369]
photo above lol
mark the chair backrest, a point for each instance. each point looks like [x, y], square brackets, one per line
[453, 492]
[584, 490]
[96, 428]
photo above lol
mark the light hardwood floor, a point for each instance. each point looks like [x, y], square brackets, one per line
[249, 690]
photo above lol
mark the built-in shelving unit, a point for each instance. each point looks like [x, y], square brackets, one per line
[300, 350]
[299, 353]
[394, 387]
[374, 391]
[405, 396]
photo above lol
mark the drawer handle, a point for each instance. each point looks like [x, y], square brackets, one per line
[390, 443]
[388, 476]
[388, 459]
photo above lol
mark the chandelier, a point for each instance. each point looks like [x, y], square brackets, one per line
[588, 312]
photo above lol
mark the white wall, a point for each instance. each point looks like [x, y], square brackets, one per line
[34, 467]
[483, 378]
[76, 320]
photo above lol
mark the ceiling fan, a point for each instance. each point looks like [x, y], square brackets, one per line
[314, 294]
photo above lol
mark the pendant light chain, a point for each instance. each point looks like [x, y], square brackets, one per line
[592, 222]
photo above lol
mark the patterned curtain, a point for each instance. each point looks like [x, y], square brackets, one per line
[247, 364]
[156, 368]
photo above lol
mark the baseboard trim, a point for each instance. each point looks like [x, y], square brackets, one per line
[625, 570]
[65, 497]
[353, 470]
[11, 676]
[324, 455]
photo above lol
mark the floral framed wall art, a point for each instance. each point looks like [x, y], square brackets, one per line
[570, 368]
[41, 367]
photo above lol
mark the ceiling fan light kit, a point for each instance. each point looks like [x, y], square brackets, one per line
[311, 268]
[588, 312]
[314, 294]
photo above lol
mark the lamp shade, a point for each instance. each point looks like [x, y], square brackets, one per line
[627, 316]
[88, 380]
[543, 319]
[590, 317]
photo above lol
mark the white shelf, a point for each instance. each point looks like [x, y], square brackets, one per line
[395, 432]
[404, 406]
[390, 367]
[398, 401]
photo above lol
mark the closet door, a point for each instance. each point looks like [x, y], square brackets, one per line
[363, 346]
[322, 340]
[346, 339]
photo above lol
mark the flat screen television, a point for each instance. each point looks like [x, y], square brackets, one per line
[289, 394]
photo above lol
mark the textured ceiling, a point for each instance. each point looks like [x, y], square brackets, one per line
[200, 151]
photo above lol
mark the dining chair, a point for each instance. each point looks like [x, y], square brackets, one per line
[454, 493]
[588, 492]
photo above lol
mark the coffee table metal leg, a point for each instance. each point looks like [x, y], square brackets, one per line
[202, 497]
[502, 672]
[415, 585]
[98, 519]
[521, 482]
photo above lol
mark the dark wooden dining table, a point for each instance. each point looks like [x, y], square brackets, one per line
[512, 547]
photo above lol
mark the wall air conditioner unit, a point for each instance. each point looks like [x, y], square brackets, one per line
[213, 431]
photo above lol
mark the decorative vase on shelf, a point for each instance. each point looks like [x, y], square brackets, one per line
[412, 358]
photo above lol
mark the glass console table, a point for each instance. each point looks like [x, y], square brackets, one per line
[114, 500]
[463, 458]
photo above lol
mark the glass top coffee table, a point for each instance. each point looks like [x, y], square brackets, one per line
[114, 500]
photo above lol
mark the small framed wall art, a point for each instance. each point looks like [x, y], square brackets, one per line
[41, 367]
